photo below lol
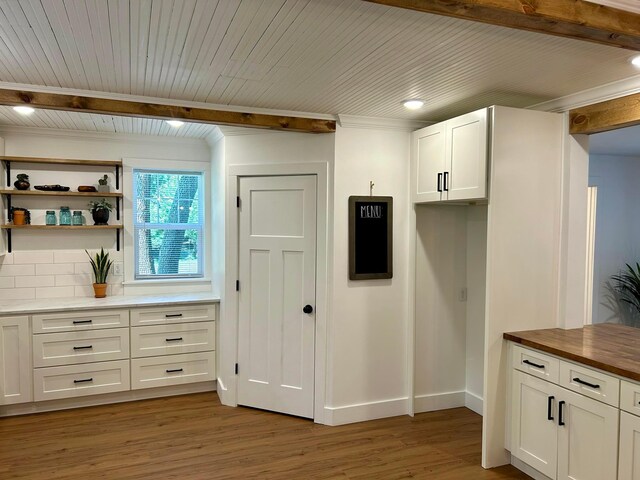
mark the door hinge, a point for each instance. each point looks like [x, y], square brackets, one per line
[238, 202]
[236, 368]
[237, 285]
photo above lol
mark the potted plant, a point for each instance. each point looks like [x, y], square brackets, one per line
[103, 187]
[101, 266]
[22, 182]
[100, 212]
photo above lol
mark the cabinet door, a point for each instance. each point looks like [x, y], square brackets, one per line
[534, 435]
[588, 440]
[15, 361]
[428, 160]
[466, 154]
[629, 460]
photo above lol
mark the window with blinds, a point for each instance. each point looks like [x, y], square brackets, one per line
[168, 224]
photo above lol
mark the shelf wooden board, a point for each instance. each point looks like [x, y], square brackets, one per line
[61, 227]
[38, 193]
[63, 161]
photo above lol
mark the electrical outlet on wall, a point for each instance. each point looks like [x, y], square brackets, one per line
[117, 268]
[462, 294]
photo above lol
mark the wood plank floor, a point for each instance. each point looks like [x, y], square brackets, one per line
[193, 437]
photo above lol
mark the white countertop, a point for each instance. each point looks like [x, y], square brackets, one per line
[12, 307]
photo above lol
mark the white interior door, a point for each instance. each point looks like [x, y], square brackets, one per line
[277, 266]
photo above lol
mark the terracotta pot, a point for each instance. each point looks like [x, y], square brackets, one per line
[18, 217]
[100, 290]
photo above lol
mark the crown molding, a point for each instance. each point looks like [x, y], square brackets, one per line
[380, 123]
[602, 93]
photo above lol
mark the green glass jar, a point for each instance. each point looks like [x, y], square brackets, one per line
[50, 218]
[65, 216]
[77, 219]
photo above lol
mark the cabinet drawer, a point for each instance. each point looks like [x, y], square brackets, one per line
[156, 340]
[174, 314]
[630, 397]
[172, 370]
[590, 383]
[80, 380]
[72, 321]
[69, 348]
[535, 363]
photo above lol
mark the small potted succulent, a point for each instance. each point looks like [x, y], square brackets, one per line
[103, 186]
[22, 183]
[101, 266]
[100, 211]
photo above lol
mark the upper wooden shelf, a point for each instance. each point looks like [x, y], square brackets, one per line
[63, 161]
[60, 194]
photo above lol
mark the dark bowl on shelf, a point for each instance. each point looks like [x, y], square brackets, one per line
[52, 188]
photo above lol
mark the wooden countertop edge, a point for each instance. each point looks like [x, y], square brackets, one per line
[606, 367]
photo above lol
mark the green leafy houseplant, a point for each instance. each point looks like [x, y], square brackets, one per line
[100, 205]
[626, 289]
[101, 266]
[100, 211]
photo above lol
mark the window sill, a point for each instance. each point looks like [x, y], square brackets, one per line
[168, 281]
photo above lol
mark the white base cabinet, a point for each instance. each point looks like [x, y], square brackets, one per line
[629, 461]
[15, 361]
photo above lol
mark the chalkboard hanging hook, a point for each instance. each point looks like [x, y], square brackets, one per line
[371, 185]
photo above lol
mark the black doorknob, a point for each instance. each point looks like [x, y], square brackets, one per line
[307, 309]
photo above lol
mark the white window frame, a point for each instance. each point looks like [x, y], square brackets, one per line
[152, 286]
[171, 226]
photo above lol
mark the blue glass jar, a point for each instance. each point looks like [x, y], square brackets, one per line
[65, 216]
[50, 219]
[77, 219]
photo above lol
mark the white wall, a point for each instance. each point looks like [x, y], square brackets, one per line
[367, 364]
[59, 266]
[617, 231]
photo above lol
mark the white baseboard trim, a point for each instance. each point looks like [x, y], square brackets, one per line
[438, 401]
[473, 402]
[104, 399]
[523, 467]
[366, 411]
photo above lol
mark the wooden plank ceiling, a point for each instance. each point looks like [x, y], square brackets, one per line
[324, 56]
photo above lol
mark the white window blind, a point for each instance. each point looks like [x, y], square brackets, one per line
[168, 224]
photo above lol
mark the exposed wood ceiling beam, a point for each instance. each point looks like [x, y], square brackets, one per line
[604, 116]
[576, 19]
[72, 103]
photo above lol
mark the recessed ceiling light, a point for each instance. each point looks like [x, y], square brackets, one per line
[175, 123]
[635, 61]
[413, 104]
[21, 109]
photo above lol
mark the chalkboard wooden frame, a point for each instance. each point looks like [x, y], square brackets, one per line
[354, 250]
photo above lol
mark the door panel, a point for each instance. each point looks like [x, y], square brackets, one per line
[629, 466]
[277, 279]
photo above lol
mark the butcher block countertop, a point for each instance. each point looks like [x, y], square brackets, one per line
[608, 347]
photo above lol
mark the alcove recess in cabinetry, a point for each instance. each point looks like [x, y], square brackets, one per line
[7, 161]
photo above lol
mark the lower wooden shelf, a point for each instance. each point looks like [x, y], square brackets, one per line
[10, 226]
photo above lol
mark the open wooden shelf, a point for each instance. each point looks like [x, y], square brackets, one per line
[63, 161]
[10, 226]
[43, 193]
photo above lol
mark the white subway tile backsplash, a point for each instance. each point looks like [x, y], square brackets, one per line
[83, 291]
[116, 289]
[35, 281]
[115, 279]
[32, 257]
[17, 270]
[7, 282]
[70, 256]
[54, 292]
[82, 268]
[6, 259]
[17, 293]
[73, 280]
[55, 269]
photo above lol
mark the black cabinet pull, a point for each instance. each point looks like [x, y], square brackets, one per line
[174, 370]
[84, 347]
[561, 413]
[80, 322]
[177, 339]
[440, 182]
[529, 362]
[172, 315]
[550, 407]
[446, 181]
[84, 380]
[582, 382]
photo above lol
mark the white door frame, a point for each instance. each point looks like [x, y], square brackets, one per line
[234, 173]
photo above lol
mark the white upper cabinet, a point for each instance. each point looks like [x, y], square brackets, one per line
[449, 159]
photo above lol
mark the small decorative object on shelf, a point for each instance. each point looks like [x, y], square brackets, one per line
[50, 218]
[22, 183]
[52, 188]
[101, 266]
[65, 216]
[77, 219]
[87, 188]
[20, 216]
[100, 211]
[103, 187]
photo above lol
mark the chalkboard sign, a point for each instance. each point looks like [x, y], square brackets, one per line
[370, 238]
